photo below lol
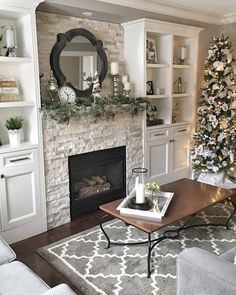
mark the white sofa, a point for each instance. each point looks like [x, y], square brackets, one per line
[17, 278]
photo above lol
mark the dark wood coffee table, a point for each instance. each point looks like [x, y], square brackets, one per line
[189, 198]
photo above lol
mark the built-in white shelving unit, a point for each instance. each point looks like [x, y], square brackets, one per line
[166, 145]
[22, 196]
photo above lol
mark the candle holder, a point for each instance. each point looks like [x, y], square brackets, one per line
[180, 61]
[126, 93]
[9, 40]
[182, 54]
[115, 81]
[137, 190]
[126, 89]
[52, 87]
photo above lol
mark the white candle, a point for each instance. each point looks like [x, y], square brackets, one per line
[127, 86]
[10, 42]
[124, 78]
[114, 68]
[140, 197]
[182, 52]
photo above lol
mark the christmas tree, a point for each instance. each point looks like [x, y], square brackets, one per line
[214, 137]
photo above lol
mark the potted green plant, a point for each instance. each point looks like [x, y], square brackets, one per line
[14, 127]
[151, 189]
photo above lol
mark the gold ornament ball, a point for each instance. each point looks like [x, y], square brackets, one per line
[231, 171]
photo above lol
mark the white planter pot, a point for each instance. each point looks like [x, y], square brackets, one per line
[14, 137]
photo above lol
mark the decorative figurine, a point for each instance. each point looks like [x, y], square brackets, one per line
[151, 111]
[179, 86]
[175, 112]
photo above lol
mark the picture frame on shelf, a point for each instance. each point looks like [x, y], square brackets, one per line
[149, 88]
[151, 53]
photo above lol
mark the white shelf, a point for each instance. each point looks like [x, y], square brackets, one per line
[158, 96]
[158, 65]
[181, 94]
[16, 104]
[182, 123]
[16, 60]
[6, 148]
[182, 66]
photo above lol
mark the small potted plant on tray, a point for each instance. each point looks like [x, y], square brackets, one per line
[151, 189]
[14, 127]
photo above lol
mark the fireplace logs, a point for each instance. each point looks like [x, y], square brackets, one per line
[94, 185]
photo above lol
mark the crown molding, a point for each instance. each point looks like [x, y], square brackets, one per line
[27, 5]
[186, 13]
[229, 18]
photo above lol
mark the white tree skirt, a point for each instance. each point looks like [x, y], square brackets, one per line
[219, 179]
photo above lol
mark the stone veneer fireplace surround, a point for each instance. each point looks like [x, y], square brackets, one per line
[62, 141]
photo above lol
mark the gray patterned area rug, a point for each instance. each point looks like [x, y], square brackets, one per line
[121, 270]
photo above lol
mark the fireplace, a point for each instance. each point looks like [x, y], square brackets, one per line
[96, 178]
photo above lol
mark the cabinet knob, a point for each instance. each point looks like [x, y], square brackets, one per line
[2, 176]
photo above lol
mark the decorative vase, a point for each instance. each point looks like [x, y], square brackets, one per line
[14, 137]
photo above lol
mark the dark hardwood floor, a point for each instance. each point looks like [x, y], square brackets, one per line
[26, 249]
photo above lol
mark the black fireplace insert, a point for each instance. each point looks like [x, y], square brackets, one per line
[96, 178]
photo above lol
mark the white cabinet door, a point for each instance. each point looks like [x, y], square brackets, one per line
[19, 188]
[167, 153]
[157, 155]
[180, 152]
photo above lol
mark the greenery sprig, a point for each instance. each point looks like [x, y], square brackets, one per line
[85, 110]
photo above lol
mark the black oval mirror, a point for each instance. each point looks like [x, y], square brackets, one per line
[75, 58]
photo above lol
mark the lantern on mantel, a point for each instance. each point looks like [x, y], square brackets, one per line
[9, 40]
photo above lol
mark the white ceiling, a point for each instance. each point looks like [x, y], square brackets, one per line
[215, 6]
[208, 11]
[212, 11]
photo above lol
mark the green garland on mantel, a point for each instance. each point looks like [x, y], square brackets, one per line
[84, 110]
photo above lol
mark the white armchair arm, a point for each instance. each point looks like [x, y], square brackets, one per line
[6, 253]
[61, 289]
[199, 272]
